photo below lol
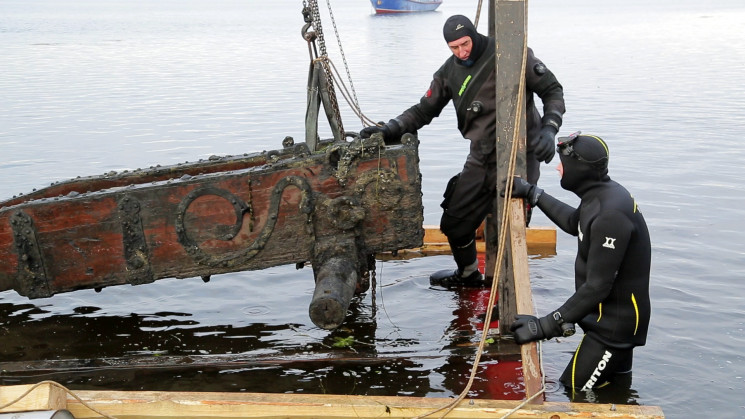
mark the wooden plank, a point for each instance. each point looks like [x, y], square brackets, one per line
[119, 366]
[537, 237]
[43, 397]
[514, 278]
[523, 295]
[540, 241]
[144, 405]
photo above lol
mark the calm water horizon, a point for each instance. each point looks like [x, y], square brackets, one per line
[93, 86]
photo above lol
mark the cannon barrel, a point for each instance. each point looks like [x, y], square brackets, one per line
[335, 285]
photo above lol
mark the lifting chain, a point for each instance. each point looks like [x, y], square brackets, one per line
[311, 9]
[356, 104]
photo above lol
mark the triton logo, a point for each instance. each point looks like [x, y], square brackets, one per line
[610, 243]
[459, 27]
[598, 370]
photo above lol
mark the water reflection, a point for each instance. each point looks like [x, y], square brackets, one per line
[162, 351]
[618, 392]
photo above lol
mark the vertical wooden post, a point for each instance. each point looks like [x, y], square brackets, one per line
[507, 24]
[510, 35]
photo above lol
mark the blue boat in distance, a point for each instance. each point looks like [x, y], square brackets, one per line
[404, 6]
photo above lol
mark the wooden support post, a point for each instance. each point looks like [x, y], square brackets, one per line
[507, 25]
[509, 19]
[523, 295]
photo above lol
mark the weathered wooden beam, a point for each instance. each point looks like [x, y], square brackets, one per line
[184, 405]
[540, 241]
[510, 36]
[509, 18]
[523, 295]
[221, 405]
[43, 397]
[165, 405]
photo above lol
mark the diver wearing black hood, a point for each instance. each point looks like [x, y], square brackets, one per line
[611, 299]
[467, 78]
[459, 26]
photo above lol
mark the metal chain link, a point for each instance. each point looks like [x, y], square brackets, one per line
[356, 103]
[323, 58]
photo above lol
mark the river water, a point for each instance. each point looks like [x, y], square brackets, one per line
[92, 86]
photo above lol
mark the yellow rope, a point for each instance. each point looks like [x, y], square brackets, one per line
[60, 386]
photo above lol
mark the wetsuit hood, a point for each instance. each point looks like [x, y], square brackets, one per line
[458, 26]
[585, 162]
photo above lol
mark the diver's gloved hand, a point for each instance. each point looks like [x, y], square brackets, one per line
[391, 131]
[544, 146]
[527, 328]
[522, 189]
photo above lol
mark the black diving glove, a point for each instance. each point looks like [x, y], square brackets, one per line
[391, 131]
[527, 328]
[522, 189]
[544, 146]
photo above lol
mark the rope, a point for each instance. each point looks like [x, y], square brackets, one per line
[478, 15]
[500, 251]
[334, 77]
[345, 92]
[60, 386]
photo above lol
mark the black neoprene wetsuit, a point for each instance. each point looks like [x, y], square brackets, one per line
[611, 299]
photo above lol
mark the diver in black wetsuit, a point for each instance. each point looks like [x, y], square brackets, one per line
[611, 299]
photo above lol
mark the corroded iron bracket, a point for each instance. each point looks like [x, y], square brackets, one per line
[32, 280]
[343, 156]
[136, 252]
[233, 259]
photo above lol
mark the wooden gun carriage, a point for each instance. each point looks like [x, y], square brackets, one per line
[335, 208]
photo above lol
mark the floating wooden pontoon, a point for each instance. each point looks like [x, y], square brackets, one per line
[177, 405]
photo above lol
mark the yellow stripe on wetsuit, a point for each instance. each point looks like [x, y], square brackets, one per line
[600, 140]
[463, 86]
[636, 312]
[574, 365]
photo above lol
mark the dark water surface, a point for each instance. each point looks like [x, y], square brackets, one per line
[94, 86]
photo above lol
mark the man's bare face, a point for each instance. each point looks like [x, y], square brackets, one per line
[461, 47]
